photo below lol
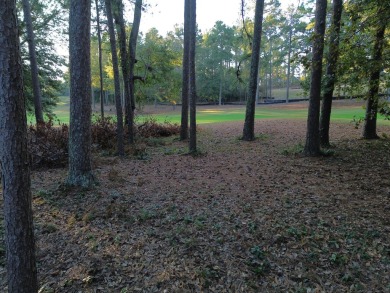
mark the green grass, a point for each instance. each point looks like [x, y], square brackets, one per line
[226, 114]
[204, 115]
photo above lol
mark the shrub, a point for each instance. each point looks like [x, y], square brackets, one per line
[48, 145]
[151, 128]
[103, 132]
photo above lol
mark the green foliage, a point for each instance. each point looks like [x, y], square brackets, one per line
[293, 150]
[49, 22]
[258, 262]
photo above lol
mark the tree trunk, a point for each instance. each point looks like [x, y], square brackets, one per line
[186, 67]
[33, 62]
[312, 146]
[369, 131]
[330, 80]
[125, 69]
[289, 62]
[80, 168]
[220, 86]
[114, 57]
[133, 47]
[15, 170]
[192, 79]
[99, 33]
[270, 68]
[249, 126]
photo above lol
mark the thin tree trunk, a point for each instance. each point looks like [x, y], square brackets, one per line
[289, 62]
[249, 125]
[125, 69]
[80, 167]
[312, 146]
[133, 47]
[15, 170]
[99, 33]
[369, 131]
[220, 86]
[118, 103]
[330, 80]
[270, 68]
[192, 78]
[258, 86]
[186, 67]
[33, 62]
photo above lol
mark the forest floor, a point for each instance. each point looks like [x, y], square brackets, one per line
[238, 217]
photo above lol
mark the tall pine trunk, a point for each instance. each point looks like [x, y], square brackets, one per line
[331, 72]
[80, 167]
[33, 62]
[249, 125]
[114, 57]
[289, 61]
[192, 78]
[312, 146]
[125, 68]
[14, 159]
[369, 130]
[99, 35]
[186, 68]
[133, 48]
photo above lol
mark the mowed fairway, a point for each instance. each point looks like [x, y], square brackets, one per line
[343, 111]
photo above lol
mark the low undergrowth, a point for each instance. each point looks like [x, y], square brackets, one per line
[48, 144]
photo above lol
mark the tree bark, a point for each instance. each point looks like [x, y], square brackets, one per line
[312, 146]
[133, 47]
[330, 80]
[15, 170]
[289, 60]
[99, 33]
[249, 126]
[125, 69]
[80, 167]
[185, 81]
[192, 78]
[369, 130]
[33, 62]
[114, 57]
[220, 85]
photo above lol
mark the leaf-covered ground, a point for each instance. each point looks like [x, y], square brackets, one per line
[239, 217]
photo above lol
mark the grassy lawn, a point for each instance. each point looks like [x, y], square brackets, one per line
[204, 115]
[213, 114]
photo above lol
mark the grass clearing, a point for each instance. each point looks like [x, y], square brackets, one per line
[344, 111]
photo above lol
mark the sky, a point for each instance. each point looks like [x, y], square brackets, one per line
[164, 14]
[167, 13]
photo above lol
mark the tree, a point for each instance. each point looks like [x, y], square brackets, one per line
[49, 19]
[375, 68]
[249, 125]
[99, 35]
[158, 67]
[115, 66]
[185, 82]
[330, 79]
[19, 230]
[80, 168]
[33, 62]
[133, 47]
[312, 146]
[192, 77]
[118, 15]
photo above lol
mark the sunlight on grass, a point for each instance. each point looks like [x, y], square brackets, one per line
[211, 111]
[220, 114]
